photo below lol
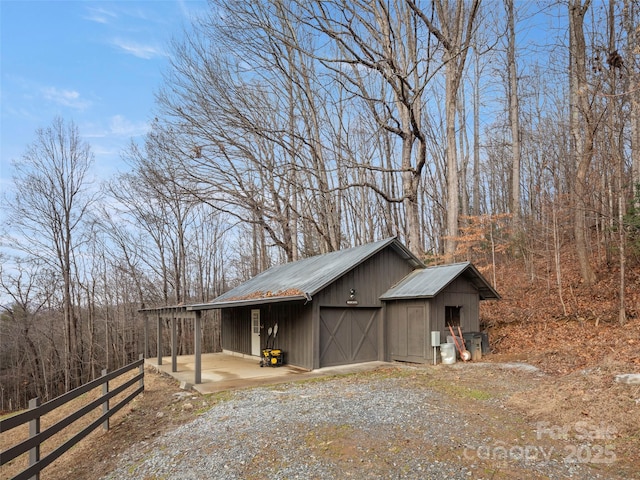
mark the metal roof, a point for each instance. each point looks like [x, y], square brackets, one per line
[429, 282]
[302, 279]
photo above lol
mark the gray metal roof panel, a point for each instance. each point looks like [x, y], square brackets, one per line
[247, 302]
[428, 282]
[310, 275]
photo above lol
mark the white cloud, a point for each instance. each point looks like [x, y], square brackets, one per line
[191, 10]
[138, 49]
[67, 98]
[183, 8]
[100, 15]
[121, 126]
[117, 128]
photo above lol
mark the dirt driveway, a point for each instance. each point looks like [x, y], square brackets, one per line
[498, 420]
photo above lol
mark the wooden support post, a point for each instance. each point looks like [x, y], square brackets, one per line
[197, 346]
[174, 349]
[105, 405]
[159, 339]
[34, 429]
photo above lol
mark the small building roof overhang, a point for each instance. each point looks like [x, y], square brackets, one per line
[164, 309]
[429, 282]
[248, 302]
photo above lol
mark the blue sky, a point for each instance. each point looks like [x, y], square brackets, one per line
[97, 63]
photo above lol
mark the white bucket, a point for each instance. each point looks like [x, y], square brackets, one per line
[448, 353]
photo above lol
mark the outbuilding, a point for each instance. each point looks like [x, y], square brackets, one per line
[373, 302]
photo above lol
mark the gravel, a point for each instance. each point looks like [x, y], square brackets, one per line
[371, 426]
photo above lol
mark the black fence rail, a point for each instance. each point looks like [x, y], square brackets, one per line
[37, 410]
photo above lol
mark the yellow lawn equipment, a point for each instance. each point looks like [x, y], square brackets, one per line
[272, 357]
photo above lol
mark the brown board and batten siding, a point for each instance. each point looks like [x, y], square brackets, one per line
[417, 305]
[293, 334]
[370, 280]
[236, 330]
[319, 283]
[461, 294]
[353, 332]
[410, 322]
[294, 331]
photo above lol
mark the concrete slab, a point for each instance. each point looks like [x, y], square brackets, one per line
[222, 371]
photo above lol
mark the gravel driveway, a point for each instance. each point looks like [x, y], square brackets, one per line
[385, 424]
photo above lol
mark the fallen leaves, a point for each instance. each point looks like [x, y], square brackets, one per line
[290, 292]
[568, 329]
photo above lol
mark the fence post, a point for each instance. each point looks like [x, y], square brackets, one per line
[174, 343]
[159, 339]
[34, 429]
[197, 346]
[146, 353]
[105, 405]
[141, 370]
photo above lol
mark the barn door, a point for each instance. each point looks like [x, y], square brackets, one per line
[348, 335]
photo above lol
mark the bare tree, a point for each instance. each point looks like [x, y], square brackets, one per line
[514, 111]
[152, 197]
[582, 128]
[253, 127]
[30, 287]
[616, 149]
[630, 24]
[377, 54]
[454, 30]
[53, 196]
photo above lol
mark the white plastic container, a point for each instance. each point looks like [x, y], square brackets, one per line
[448, 353]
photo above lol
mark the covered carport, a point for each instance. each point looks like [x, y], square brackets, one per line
[205, 372]
[222, 371]
[171, 315]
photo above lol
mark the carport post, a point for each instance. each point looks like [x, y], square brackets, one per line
[197, 346]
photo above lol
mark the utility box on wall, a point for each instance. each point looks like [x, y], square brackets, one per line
[435, 343]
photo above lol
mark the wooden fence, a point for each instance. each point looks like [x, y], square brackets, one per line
[37, 410]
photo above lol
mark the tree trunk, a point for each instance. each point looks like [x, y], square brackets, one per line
[618, 157]
[454, 33]
[514, 114]
[476, 134]
[453, 194]
[581, 128]
[632, 28]
[410, 194]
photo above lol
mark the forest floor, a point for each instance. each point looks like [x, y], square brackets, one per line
[573, 392]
